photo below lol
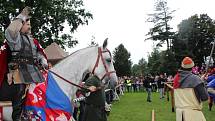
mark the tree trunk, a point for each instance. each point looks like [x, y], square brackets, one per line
[167, 42]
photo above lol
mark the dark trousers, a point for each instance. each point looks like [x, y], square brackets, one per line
[149, 91]
[75, 113]
[128, 88]
[134, 87]
[82, 111]
[94, 113]
[16, 94]
[109, 96]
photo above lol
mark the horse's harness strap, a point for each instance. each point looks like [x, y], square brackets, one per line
[103, 62]
[108, 74]
[97, 61]
[70, 82]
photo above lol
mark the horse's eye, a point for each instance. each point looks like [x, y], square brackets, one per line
[108, 60]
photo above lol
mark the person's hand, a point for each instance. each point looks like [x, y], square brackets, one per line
[24, 14]
[92, 88]
[204, 77]
[26, 11]
[43, 62]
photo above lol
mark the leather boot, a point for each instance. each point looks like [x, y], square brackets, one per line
[18, 102]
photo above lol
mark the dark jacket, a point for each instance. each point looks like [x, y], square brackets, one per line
[95, 102]
[161, 82]
[148, 82]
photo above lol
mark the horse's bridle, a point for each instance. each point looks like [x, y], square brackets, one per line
[104, 64]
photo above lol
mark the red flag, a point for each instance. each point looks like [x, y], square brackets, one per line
[39, 47]
[1, 113]
[3, 61]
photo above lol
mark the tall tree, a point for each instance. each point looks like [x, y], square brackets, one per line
[168, 63]
[140, 69]
[161, 30]
[136, 70]
[49, 18]
[194, 38]
[154, 61]
[1, 37]
[143, 66]
[122, 62]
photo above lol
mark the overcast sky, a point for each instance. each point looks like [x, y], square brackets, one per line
[124, 21]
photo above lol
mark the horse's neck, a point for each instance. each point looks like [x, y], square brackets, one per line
[72, 68]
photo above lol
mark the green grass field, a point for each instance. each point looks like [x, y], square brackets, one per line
[133, 107]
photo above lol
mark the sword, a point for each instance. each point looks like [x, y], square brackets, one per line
[207, 66]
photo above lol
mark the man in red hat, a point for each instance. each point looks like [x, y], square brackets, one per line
[189, 92]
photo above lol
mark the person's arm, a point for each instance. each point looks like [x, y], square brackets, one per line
[211, 90]
[201, 92]
[13, 31]
[211, 86]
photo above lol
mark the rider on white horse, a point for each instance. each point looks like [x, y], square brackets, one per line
[24, 61]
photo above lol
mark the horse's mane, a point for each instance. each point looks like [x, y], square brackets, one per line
[77, 51]
[81, 50]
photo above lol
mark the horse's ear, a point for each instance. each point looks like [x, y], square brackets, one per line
[105, 43]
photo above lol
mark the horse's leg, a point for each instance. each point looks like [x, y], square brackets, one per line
[210, 102]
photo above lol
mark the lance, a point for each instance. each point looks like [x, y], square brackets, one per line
[207, 66]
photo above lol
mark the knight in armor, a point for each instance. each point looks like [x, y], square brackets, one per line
[25, 59]
[189, 93]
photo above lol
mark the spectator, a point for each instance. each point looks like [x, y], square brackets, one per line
[128, 84]
[160, 83]
[148, 86]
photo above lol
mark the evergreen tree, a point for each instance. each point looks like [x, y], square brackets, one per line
[122, 62]
[161, 30]
[154, 62]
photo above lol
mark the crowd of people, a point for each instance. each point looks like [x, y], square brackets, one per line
[146, 83]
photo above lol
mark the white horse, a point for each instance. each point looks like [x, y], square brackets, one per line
[93, 59]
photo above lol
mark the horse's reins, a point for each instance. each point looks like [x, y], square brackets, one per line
[96, 65]
[67, 80]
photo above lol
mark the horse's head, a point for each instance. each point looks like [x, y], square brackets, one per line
[103, 67]
[96, 60]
